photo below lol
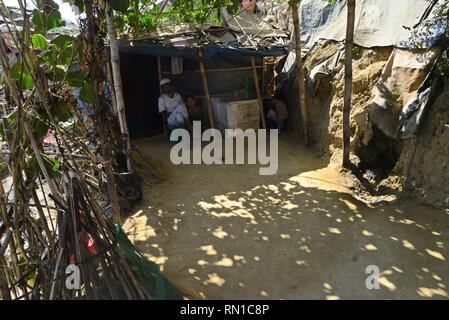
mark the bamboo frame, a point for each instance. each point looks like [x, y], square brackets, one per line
[349, 44]
[206, 90]
[219, 70]
[263, 76]
[159, 72]
[300, 76]
[259, 97]
[111, 84]
[77, 210]
[116, 82]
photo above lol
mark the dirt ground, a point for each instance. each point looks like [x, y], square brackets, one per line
[225, 232]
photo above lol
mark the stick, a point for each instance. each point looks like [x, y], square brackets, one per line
[4, 291]
[159, 69]
[349, 43]
[206, 91]
[300, 76]
[259, 97]
[56, 272]
[117, 82]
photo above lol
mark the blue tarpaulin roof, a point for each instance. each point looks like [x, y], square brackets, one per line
[199, 54]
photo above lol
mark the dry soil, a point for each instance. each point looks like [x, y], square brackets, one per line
[225, 232]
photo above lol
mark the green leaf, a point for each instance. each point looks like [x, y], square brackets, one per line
[50, 164]
[45, 56]
[40, 129]
[39, 41]
[55, 74]
[76, 78]
[2, 130]
[87, 94]
[53, 20]
[120, 5]
[62, 111]
[62, 41]
[65, 57]
[27, 82]
[46, 22]
[37, 18]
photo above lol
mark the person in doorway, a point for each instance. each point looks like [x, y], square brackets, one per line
[270, 115]
[172, 108]
[276, 113]
[281, 112]
[195, 112]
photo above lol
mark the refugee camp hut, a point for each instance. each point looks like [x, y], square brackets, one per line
[213, 63]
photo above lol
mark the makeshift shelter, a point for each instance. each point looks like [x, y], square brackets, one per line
[210, 62]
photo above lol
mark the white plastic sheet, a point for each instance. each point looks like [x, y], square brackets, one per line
[378, 23]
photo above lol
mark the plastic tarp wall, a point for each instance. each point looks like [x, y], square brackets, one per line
[378, 23]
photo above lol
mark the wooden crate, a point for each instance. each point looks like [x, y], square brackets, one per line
[243, 115]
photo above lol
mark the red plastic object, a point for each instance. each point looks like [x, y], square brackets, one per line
[90, 244]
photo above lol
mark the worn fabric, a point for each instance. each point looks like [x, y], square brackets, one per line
[167, 103]
[178, 116]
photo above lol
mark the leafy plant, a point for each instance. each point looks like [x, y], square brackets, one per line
[142, 16]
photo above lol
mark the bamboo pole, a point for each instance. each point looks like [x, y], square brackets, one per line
[4, 291]
[349, 43]
[300, 76]
[118, 87]
[111, 83]
[263, 76]
[42, 217]
[259, 97]
[95, 66]
[159, 73]
[11, 244]
[28, 225]
[206, 91]
[56, 273]
[8, 75]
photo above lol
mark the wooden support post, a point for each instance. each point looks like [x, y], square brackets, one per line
[116, 82]
[264, 78]
[300, 76]
[4, 291]
[259, 97]
[111, 84]
[159, 72]
[349, 43]
[206, 91]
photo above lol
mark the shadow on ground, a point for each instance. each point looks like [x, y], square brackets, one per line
[225, 232]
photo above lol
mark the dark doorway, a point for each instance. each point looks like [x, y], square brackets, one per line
[141, 92]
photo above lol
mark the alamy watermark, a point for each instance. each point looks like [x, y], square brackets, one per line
[372, 281]
[72, 282]
[189, 149]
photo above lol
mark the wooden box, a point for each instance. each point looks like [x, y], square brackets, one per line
[243, 115]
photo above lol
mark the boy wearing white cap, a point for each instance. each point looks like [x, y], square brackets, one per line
[171, 106]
